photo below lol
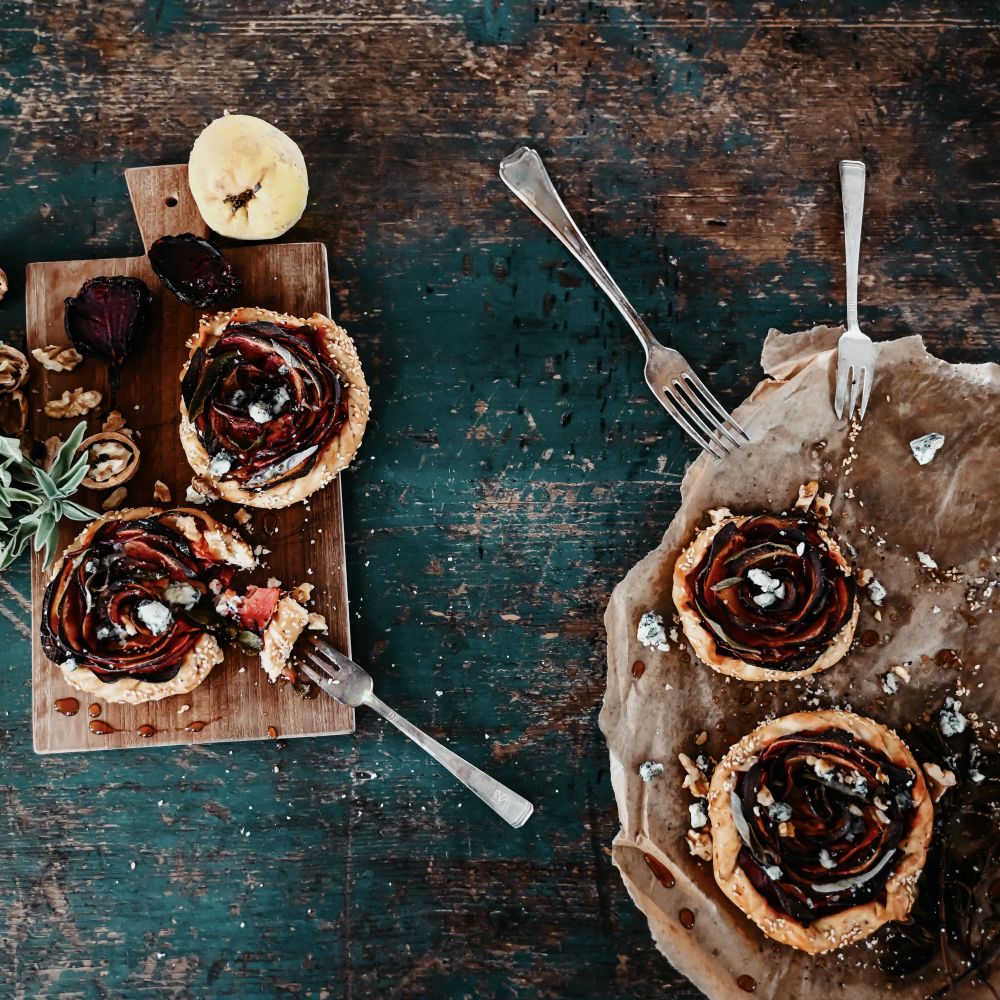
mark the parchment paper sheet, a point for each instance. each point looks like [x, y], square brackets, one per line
[947, 509]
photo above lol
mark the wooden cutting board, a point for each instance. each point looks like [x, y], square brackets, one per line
[236, 702]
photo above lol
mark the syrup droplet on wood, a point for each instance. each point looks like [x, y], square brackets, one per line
[638, 669]
[94, 710]
[746, 695]
[100, 728]
[146, 730]
[272, 733]
[270, 524]
[687, 918]
[747, 983]
[663, 874]
[994, 890]
[196, 726]
[66, 706]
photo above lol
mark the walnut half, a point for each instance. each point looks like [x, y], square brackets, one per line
[13, 368]
[113, 457]
[73, 403]
[57, 357]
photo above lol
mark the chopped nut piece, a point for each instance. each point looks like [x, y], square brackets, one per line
[807, 494]
[822, 510]
[764, 796]
[114, 500]
[700, 844]
[57, 357]
[114, 421]
[273, 581]
[938, 779]
[242, 516]
[701, 739]
[694, 777]
[303, 592]
[73, 403]
[317, 623]
[863, 577]
[161, 491]
[786, 829]
[13, 368]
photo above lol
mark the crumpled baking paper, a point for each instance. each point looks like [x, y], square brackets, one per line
[888, 508]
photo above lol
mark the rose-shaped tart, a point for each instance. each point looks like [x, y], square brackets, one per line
[272, 407]
[129, 613]
[820, 828]
[766, 598]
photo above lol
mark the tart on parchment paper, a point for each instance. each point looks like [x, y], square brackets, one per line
[820, 823]
[273, 407]
[766, 598]
[662, 703]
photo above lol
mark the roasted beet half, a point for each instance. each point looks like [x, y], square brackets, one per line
[107, 320]
[193, 270]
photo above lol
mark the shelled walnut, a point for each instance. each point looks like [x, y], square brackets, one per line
[73, 403]
[57, 357]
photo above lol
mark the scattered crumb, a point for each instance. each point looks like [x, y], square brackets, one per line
[926, 561]
[183, 709]
[651, 632]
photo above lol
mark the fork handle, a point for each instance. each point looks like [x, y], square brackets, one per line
[502, 800]
[525, 174]
[852, 187]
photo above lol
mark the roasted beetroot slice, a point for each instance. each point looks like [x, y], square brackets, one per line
[193, 270]
[107, 320]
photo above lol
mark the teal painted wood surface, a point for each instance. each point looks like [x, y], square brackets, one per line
[515, 465]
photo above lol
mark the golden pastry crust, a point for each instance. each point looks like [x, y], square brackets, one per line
[854, 923]
[336, 455]
[703, 642]
[226, 545]
[286, 625]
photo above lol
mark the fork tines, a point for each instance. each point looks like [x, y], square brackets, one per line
[704, 418]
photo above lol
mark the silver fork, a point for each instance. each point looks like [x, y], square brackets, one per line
[672, 380]
[855, 350]
[342, 679]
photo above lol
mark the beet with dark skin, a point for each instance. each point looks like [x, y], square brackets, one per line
[107, 320]
[193, 269]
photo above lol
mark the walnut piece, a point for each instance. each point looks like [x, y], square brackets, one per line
[694, 778]
[57, 358]
[938, 780]
[73, 403]
[317, 623]
[161, 492]
[13, 368]
[113, 501]
[700, 844]
[114, 421]
[807, 493]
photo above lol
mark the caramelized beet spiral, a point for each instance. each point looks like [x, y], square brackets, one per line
[265, 401]
[771, 593]
[125, 604]
[821, 817]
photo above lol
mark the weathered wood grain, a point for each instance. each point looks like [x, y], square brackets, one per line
[515, 463]
[305, 542]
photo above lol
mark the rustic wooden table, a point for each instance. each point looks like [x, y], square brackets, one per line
[515, 465]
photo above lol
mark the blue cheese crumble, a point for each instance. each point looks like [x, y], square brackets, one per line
[925, 448]
[950, 718]
[649, 769]
[651, 632]
[155, 616]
